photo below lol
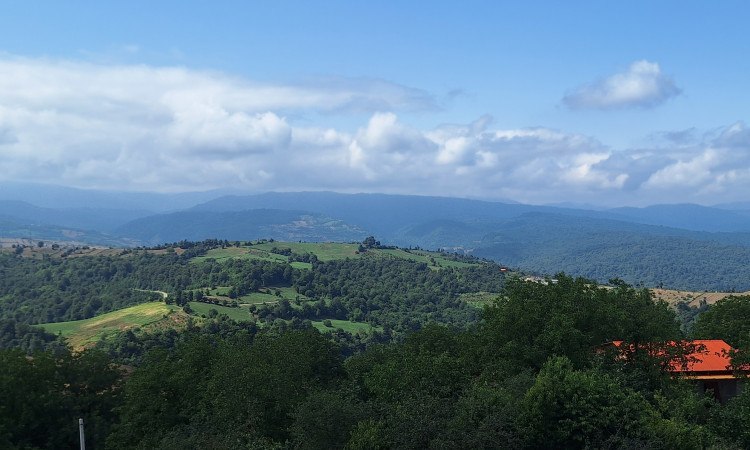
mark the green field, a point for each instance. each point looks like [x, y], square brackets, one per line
[268, 295]
[479, 299]
[265, 295]
[351, 327]
[440, 259]
[220, 254]
[239, 314]
[80, 333]
[324, 251]
[327, 252]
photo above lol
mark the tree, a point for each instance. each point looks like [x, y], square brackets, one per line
[566, 408]
[534, 321]
[216, 393]
[727, 319]
[732, 422]
[370, 242]
[42, 397]
[325, 419]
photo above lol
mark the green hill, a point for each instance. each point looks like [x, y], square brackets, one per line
[82, 333]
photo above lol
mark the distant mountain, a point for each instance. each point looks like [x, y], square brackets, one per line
[100, 219]
[602, 249]
[688, 216]
[14, 229]
[736, 206]
[61, 197]
[682, 246]
[241, 225]
[385, 215]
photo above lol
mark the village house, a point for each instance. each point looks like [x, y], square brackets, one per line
[708, 362]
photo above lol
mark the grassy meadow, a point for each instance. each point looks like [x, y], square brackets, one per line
[351, 327]
[239, 314]
[326, 252]
[81, 333]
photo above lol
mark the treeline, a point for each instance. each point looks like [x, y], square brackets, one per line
[528, 377]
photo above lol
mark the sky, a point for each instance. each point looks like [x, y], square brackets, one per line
[587, 102]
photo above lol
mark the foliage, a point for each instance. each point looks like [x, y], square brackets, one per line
[47, 290]
[727, 319]
[568, 317]
[567, 408]
[42, 398]
[428, 371]
[732, 422]
[206, 392]
[27, 338]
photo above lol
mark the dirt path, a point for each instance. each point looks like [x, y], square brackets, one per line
[163, 294]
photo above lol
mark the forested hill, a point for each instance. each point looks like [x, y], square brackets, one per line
[603, 249]
[387, 288]
[676, 246]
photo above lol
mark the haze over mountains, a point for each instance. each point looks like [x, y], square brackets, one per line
[683, 246]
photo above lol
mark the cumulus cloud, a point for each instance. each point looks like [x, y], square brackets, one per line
[63, 120]
[713, 171]
[175, 129]
[219, 131]
[642, 85]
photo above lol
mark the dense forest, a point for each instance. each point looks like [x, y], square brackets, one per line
[638, 254]
[434, 372]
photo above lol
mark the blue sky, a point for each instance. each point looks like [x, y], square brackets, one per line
[611, 103]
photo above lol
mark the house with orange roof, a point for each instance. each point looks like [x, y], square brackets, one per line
[708, 362]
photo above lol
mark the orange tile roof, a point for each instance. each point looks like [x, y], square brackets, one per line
[711, 357]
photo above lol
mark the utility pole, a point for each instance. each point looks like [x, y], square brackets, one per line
[80, 433]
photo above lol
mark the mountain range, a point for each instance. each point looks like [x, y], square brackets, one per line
[684, 246]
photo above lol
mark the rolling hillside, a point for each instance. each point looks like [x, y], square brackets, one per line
[679, 246]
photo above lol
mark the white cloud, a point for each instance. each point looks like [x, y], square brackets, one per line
[642, 85]
[694, 171]
[174, 129]
[215, 130]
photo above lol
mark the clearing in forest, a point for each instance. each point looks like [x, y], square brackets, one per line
[83, 333]
[673, 297]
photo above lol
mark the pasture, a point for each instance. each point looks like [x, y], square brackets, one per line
[83, 333]
[239, 314]
[351, 327]
[328, 252]
[479, 299]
